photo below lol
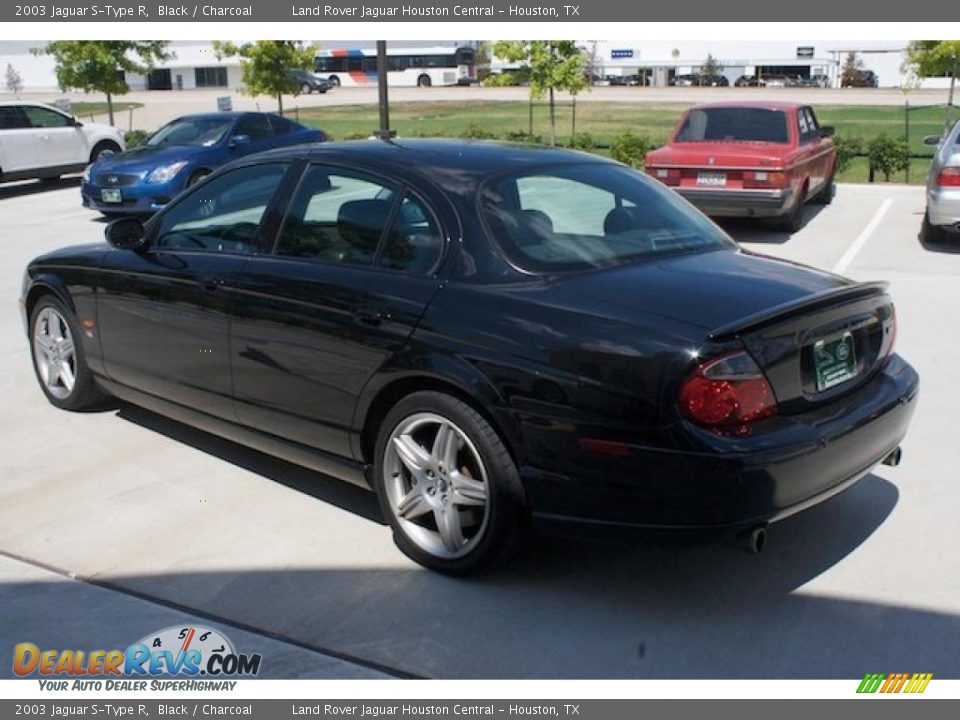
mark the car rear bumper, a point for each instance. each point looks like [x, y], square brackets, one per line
[739, 203]
[943, 207]
[140, 199]
[744, 481]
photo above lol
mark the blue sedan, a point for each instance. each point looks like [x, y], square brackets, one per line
[182, 153]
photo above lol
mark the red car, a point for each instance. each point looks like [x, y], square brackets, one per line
[758, 159]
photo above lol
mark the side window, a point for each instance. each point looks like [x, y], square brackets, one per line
[414, 241]
[42, 118]
[546, 201]
[223, 214]
[803, 126]
[12, 118]
[812, 122]
[337, 216]
[256, 127]
[281, 126]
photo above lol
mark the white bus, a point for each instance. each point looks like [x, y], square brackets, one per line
[407, 67]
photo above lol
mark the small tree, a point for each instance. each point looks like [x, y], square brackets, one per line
[711, 66]
[888, 155]
[553, 65]
[850, 72]
[266, 65]
[936, 58]
[483, 60]
[630, 148]
[14, 82]
[100, 65]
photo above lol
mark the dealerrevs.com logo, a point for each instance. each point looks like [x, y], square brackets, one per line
[175, 651]
[890, 683]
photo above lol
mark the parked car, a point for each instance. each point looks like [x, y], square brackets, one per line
[687, 80]
[480, 332]
[860, 78]
[758, 159]
[942, 219]
[713, 81]
[747, 81]
[39, 141]
[180, 154]
[773, 81]
[307, 82]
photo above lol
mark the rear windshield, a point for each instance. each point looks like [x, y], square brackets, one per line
[572, 217]
[734, 125]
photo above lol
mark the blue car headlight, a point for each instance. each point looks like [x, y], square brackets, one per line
[86, 173]
[165, 173]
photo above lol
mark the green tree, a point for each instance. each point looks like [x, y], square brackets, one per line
[711, 66]
[100, 65]
[887, 155]
[850, 72]
[936, 58]
[553, 65]
[14, 82]
[266, 64]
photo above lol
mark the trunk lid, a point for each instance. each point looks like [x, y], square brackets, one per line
[788, 316]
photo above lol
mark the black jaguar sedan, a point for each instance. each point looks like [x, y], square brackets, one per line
[481, 333]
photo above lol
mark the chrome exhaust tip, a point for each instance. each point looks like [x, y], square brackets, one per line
[893, 459]
[755, 539]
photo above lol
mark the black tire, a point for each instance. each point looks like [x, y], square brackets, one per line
[424, 81]
[103, 149]
[793, 221]
[306, 89]
[932, 233]
[506, 513]
[826, 194]
[197, 177]
[334, 81]
[85, 394]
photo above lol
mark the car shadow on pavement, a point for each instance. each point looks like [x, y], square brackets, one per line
[764, 231]
[597, 605]
[327, 489]
[33, 187]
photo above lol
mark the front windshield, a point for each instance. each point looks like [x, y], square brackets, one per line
[734, 124]
[572, 217]
[204, 131]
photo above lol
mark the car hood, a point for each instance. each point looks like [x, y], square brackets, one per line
[86, 251]
[146, 158]
[707, 289]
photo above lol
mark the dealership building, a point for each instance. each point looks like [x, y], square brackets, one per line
[195, 63]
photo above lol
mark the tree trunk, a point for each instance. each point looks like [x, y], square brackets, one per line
[110, 107]
[280, 103]
[553, 121]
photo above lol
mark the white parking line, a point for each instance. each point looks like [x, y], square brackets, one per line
[862, 238]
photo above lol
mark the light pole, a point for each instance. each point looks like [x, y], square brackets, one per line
[384, 133]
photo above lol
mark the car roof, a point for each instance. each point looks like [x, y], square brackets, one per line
[752, 104]
[451, 163]
[8, 103]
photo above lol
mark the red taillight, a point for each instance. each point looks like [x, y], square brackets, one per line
[949, 177]
[728, 392]
[668, 176]
[755, 179]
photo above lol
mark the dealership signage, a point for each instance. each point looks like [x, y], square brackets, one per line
[620, 54]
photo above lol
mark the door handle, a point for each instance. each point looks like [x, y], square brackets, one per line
[210, 282]
[372, 316]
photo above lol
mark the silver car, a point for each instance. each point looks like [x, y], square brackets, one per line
[943, 187]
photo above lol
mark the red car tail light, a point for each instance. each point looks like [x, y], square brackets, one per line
[764, 179]
[668, 176]
[729, 391]
[949, 177]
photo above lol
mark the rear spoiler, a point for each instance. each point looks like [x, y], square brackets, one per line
[823, 298]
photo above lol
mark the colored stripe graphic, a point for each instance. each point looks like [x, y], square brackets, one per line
[892, 683]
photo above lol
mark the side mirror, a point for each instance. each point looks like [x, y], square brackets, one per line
[827, 131]
[74, 122]
[933, 140]
[126, 234]
[239, 141]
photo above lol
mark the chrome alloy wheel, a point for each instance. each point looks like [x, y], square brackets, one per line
[54, 353]
[436, 484]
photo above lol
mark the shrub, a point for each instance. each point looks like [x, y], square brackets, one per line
[508, 78]
[520, 136]
[888, 155]
[583, 141]
[474, 131]
[847, 149]
[630, 148]
[134, 138]
[357, 135]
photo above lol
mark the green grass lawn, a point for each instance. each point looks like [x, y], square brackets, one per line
[603, 121]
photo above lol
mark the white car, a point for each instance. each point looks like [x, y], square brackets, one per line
[39, 141]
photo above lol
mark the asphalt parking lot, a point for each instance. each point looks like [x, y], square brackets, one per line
[866, 582]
